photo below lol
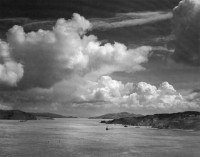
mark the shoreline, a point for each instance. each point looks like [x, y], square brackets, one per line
[150, 127]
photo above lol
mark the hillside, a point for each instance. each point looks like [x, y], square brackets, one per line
[20, 115]
[115, 115]
[50, 115]
[189, 120]
[16, 115]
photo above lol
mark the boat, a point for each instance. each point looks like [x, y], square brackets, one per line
[125, 126]
[106, 128]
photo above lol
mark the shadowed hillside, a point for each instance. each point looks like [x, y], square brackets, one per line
[16, 115]
[20, 115]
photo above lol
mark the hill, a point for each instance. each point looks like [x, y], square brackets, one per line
[115, 115]
[50, 116]
[189, 120]
[16, 115]
[21, 115]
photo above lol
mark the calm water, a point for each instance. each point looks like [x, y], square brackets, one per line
[88, 138]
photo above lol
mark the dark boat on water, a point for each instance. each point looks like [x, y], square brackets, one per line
[106, 128]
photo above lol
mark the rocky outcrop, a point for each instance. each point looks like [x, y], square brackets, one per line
[16, 115]
[189, 120]
[116, 115]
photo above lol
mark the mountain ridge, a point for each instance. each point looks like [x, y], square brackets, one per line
[115, 115]
[50, 115]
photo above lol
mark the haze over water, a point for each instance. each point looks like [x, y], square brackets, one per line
[86, 137]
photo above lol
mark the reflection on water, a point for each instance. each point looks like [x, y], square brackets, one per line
[86, 137]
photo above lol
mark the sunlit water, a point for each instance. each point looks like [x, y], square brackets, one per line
[84, 137]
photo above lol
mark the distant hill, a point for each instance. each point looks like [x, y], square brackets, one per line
[21, 115]
[116, 115]
[50, 115]
[189, 120]
[16, 115]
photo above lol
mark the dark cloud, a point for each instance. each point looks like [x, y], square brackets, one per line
[186, 26]
[90, 8]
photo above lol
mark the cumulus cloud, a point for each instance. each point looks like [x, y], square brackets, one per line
[50, 56]
[10, 71]
[186, 26]
[137, 96]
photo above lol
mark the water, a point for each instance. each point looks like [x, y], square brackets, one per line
[88, 138]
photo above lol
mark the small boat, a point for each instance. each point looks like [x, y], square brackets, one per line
[125, 126]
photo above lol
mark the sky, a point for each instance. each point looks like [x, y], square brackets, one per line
[142, 62]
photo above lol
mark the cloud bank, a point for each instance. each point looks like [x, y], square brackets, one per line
[136, 96]
[47, 57]
[186, 26]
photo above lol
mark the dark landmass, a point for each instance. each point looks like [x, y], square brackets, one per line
[21, 115]
[38, 9]
[116, 115]
[189, 120]
[16, 115]
[50, 116]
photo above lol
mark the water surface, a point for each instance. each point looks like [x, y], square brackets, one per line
[88, 138]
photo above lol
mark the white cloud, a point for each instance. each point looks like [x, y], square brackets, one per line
[5, 107]
[51, 56]
[130, 19]
[142, 95]
[10, 71]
